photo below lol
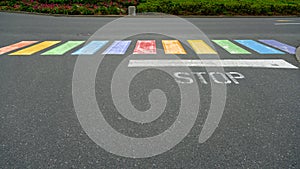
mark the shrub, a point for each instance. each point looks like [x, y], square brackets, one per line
[177, 7]
[222, 7]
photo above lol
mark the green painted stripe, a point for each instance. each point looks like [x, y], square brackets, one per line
[231, 47]
[62, 49]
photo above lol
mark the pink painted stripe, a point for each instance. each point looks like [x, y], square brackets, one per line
[16, 46]
[145, 47]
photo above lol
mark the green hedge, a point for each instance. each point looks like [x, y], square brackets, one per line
[176, 7]
[94, 2]
[222, 7]
[70, 7]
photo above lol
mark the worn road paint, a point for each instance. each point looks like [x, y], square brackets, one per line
[35, 48]
[90, 48]
[231, 47]
[297, 54]
[118, 47]
[173, 47]
[284, 47]
[16, 46]
[200, 47]
[258, 63]
[62, 49]
[258, 47]
[205, 77]
[286, 23]
[283, 20]
[145, 47]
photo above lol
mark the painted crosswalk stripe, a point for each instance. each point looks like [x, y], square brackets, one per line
[145, 47]
[35, 48]
[231, 47]
[118, 47]
[62, 49]
[252, 63]
[258, 47]
[200, 47]
[15, 46]
[91, 48]
[173, 47]
[284, 47]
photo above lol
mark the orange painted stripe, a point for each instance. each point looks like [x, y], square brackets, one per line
[35, 48]
[173, 47]
[16, 46]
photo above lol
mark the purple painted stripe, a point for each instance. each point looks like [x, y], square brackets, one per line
[284, 47]
[118, 47]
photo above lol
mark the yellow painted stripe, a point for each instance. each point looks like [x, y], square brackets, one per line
[200, 47]
[173, 47]
[35, 48]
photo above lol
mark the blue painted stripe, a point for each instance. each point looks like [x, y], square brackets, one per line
[282, 46]
[90, 48]
[258, 47]
[118, 47]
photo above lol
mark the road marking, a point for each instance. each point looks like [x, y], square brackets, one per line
[16, 46]
[173, 47]
[149, 47]
[35, 48]
[286, 23]
[90, 48]
[269, 63]
[62, 49]
[145, 47]
[298, 54]
[200, 47]
[216, 77]
[283, 20]
[284, 47]
[118, 47]
[231, 47]
[258, 47]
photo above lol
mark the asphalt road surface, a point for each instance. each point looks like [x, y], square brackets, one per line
[47, 120]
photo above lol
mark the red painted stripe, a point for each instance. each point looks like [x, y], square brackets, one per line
[145, 47]
[15, 46]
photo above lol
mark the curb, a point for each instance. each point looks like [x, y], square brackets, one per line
[141, 15]
[59, 15]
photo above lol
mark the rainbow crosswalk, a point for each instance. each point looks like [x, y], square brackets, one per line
[120, 47]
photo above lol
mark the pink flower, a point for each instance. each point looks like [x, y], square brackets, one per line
[35, 7]
[16, 6]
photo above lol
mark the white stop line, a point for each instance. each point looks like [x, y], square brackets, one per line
[261, 63]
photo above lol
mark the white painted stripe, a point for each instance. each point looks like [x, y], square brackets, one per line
[286, 23]
[258, 63]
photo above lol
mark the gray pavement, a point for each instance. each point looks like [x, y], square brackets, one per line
[40, 129]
